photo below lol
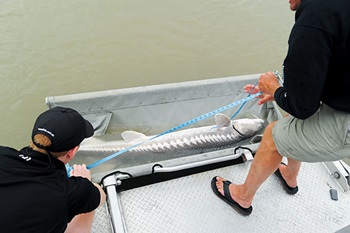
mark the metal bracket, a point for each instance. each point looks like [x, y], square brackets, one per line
[340, 171]
[115, 179]
[247, 154]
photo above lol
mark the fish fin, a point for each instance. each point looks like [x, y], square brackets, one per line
[129, 136]
[222, 120]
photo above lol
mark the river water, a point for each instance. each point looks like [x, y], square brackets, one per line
[50, 48]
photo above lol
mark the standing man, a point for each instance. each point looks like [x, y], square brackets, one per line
[315, 94]
[35, 193]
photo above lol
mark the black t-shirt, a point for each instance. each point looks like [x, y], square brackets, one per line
[316, 67]
[35, 197]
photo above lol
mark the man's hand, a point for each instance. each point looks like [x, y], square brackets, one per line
[267, 84]
[81, 170]
[249, 88]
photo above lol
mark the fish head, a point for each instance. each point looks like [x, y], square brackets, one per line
[248, 127]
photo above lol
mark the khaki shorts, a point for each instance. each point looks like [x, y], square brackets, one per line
[325, 136]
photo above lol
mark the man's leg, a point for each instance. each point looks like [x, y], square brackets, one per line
[290, 172]
[265, 162]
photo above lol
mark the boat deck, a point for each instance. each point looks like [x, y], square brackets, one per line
[187, 204]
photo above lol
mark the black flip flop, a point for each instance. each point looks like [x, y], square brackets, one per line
[228, 199]
[286, 187]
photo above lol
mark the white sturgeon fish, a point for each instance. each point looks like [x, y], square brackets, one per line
[224, 133]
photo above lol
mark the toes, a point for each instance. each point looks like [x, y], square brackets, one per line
[219, 179]
[219, 185]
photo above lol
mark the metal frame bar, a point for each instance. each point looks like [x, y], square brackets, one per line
[114, 206]
[243, 152]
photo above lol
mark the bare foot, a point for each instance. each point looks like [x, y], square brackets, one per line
[235, 191]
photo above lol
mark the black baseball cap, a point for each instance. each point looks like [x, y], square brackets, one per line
[65, 127]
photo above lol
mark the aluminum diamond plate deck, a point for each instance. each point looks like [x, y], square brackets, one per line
[188, 205]
[102, 222]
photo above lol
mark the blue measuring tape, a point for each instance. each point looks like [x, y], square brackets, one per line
[190, 122]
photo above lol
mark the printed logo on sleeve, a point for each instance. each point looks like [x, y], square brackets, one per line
[26, 158]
